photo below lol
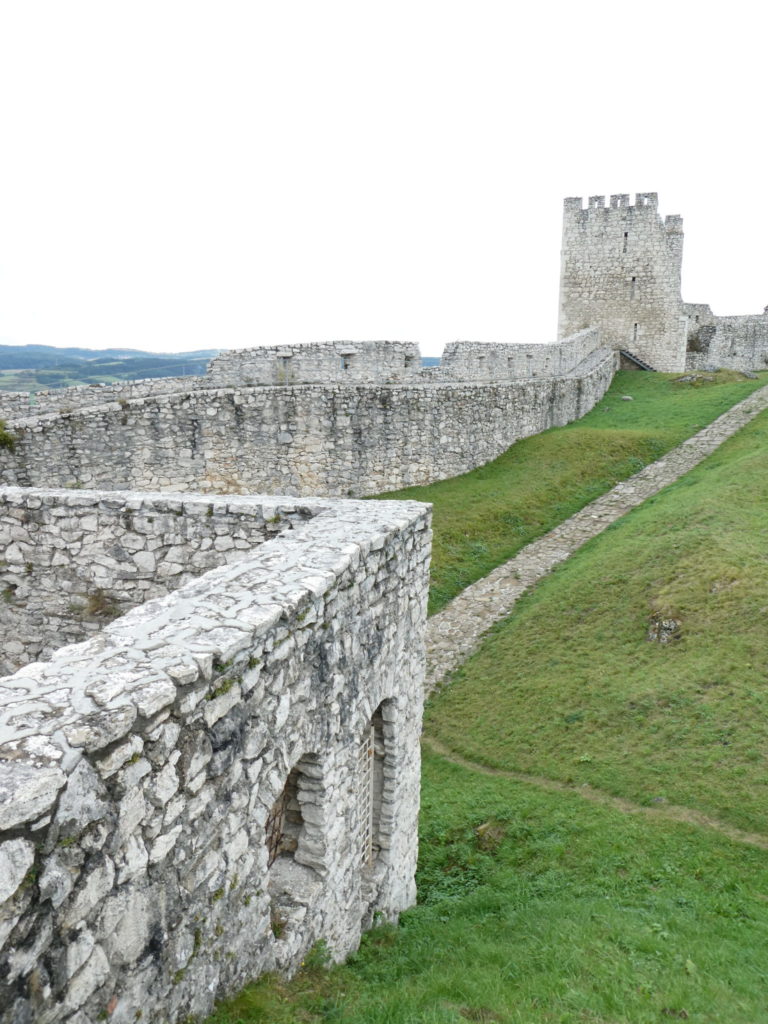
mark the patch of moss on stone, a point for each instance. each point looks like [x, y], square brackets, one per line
[224, 687]
[7, 440]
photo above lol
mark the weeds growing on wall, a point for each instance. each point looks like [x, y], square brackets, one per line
[484, 517]
[7, 440]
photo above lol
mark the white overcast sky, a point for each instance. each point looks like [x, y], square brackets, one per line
[183, 175]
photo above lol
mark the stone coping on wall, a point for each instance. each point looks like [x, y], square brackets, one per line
[53, 711]
[74, 559]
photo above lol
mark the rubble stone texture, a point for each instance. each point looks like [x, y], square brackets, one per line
[620, 272]
[306, 439]
[73, 560]
[139, 770]
[317, 363]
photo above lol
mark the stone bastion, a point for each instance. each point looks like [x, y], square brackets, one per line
[212, 700]
[224, 774]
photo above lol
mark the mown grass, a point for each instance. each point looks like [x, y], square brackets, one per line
[571, 687]
[569, 912]
[484, 517]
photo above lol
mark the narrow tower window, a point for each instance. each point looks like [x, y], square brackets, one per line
[626, 236]
[632, 290]
[634, 334]
[370, 789]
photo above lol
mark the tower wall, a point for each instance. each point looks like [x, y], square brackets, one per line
[620, 272]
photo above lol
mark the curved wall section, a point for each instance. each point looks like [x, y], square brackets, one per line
[331, 440]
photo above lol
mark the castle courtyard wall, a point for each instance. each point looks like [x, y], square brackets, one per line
[730, 342]
[335, 440]
[140, 772]
[73, 560]
[321, 362]
[478, 360]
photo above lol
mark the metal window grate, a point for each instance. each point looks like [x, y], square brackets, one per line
[365, 798]
[275, 828]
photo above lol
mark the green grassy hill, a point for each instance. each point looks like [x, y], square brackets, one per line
[484, 517]
[583, 783]
[37, 367]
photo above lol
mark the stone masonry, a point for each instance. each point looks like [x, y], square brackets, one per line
[73, 560]
[317, 363]
[620, 271]
[307, 439]
[223, 767]
[223, 775]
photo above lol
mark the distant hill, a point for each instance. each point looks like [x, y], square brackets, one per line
[34, 367]
[23, 357]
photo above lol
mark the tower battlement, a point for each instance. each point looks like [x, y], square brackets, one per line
[620, 201]
[620, 271]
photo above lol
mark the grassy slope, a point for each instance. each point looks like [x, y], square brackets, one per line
[483, 518]
[571, 688]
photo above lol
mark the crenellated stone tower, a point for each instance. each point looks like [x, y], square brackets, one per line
[620, 271]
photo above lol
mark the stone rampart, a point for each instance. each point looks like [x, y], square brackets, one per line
[220, 778]
[478, 360]
[317, 363]
[731, 342]
[305, 439]
[72, 560]
[20, 404]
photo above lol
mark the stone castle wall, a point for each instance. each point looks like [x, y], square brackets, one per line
[732, 342]
[303, 439]
[20, 404]
[317, 363]
[72, 560]
[620, 271]
[218, 779]
[478, 360]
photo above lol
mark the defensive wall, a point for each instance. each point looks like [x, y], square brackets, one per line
[222, 768]
[481, 361]
[621, 271]
[341, 439]
[75, 559]
[224, 774]
[733, 342]
[21, 404]
[324, 362]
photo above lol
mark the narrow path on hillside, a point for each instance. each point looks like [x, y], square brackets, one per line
[660, 812]
[456, 631]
